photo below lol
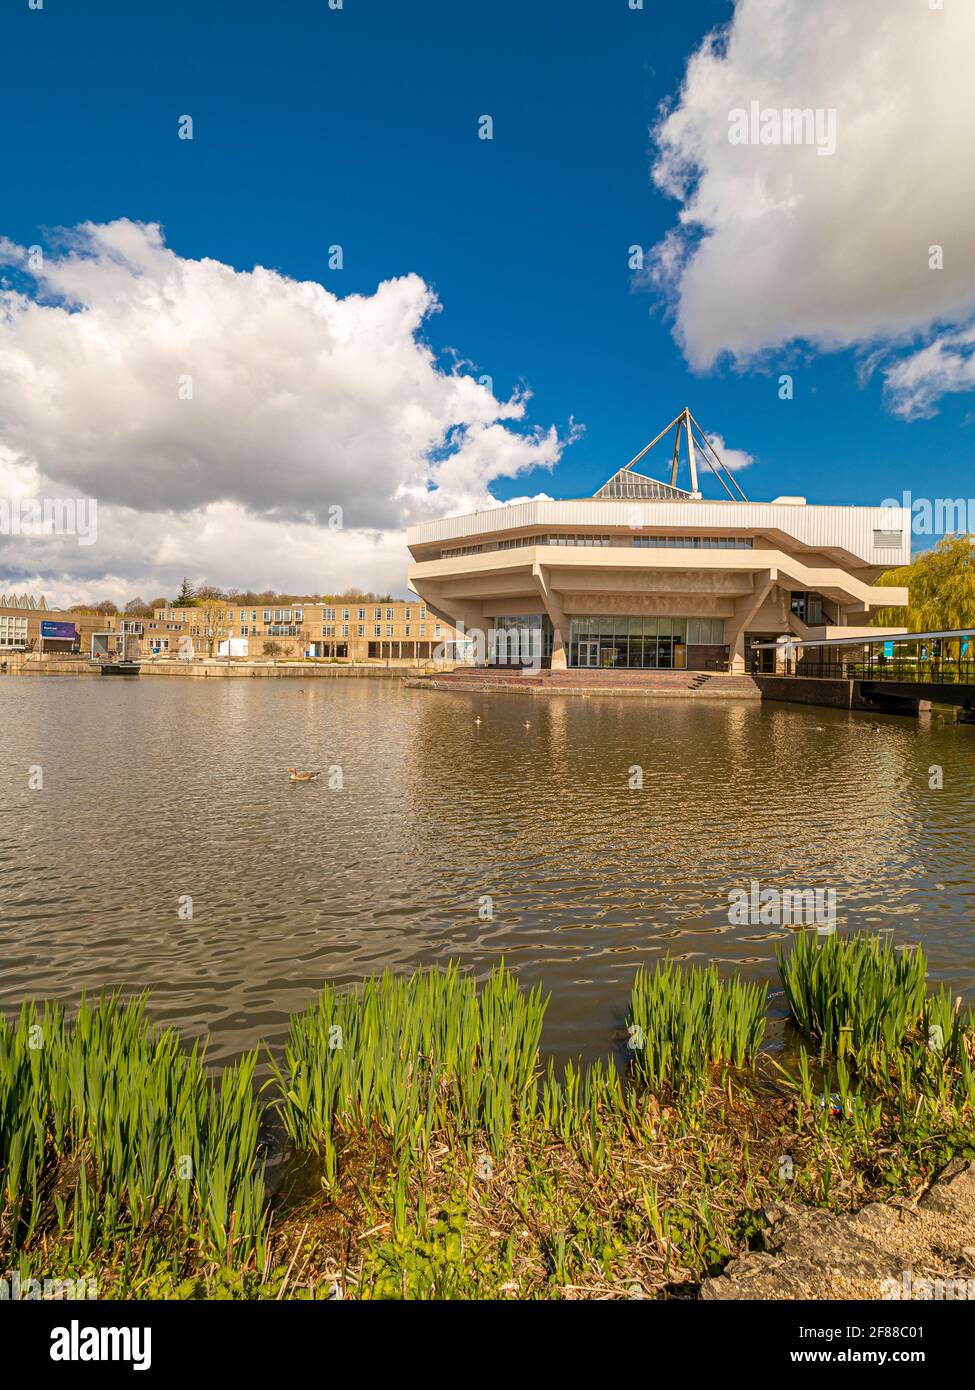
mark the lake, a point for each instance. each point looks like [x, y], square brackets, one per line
[450, 840]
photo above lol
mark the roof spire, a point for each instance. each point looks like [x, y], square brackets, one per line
[627, 483]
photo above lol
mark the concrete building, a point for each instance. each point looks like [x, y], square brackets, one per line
[646, 573]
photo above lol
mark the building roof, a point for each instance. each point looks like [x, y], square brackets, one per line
[27, 601]
[626, 482]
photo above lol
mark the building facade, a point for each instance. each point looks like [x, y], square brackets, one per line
[28, 625]
[358, 630]
[341, 629]
[649, 574]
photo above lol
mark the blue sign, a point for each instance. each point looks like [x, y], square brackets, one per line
[65, 632]
[888, 649]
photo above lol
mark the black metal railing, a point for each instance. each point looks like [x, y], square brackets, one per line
[936, 669]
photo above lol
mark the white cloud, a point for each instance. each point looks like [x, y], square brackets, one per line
[735, 459]
[916, 382]
[777, 244]
[301, 402]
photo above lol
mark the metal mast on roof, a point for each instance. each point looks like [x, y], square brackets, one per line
[687, 426]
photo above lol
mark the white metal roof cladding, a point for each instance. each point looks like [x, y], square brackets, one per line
[844, 528]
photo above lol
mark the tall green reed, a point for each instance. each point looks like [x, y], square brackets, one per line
[110, 1131]
[854, 993]
[684, 1021]
[412, 1056]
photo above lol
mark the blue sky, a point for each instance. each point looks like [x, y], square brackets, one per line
[359, 127]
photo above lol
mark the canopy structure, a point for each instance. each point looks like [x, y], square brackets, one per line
[626, 482]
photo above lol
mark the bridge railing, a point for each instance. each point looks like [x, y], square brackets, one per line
[936, 669]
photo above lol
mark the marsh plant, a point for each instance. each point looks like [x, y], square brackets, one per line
[856, 992]
[447, 1162]
[684, 1022]
[408, 1057]
[111, 1133]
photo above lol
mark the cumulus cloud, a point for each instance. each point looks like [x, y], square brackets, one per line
[778, 243]
[221, 416]
[735, 459]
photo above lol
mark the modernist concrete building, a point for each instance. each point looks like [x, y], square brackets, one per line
[646, 573]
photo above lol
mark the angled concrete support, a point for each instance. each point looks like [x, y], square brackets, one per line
[745, 609]
[556, 616]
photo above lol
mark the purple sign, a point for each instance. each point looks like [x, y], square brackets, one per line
[64, 631]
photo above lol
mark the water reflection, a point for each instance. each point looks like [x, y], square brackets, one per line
[159, 789]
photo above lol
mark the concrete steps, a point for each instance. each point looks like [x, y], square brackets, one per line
[585, 681]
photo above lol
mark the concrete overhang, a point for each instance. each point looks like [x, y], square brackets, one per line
[853, 533]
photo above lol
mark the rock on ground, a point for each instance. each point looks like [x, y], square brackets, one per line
[912, 1250]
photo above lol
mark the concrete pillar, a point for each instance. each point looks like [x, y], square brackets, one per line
[557, 617]
[745, 609]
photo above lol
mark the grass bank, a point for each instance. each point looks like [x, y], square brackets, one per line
[430, 1156]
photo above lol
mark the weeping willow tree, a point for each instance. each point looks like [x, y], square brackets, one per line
[942, 588]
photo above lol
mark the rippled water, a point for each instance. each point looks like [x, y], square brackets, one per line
[158, 788]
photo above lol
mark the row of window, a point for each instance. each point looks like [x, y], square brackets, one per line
[517, 541]
[693, 631]
[13, 631]
[297, 615]
[649, 542]
[329, 614]
[328, 630]
[695, 542]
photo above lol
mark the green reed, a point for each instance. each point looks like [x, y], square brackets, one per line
[684, 1021]
[411, 1056]
[855, 993]
[110, 1132]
